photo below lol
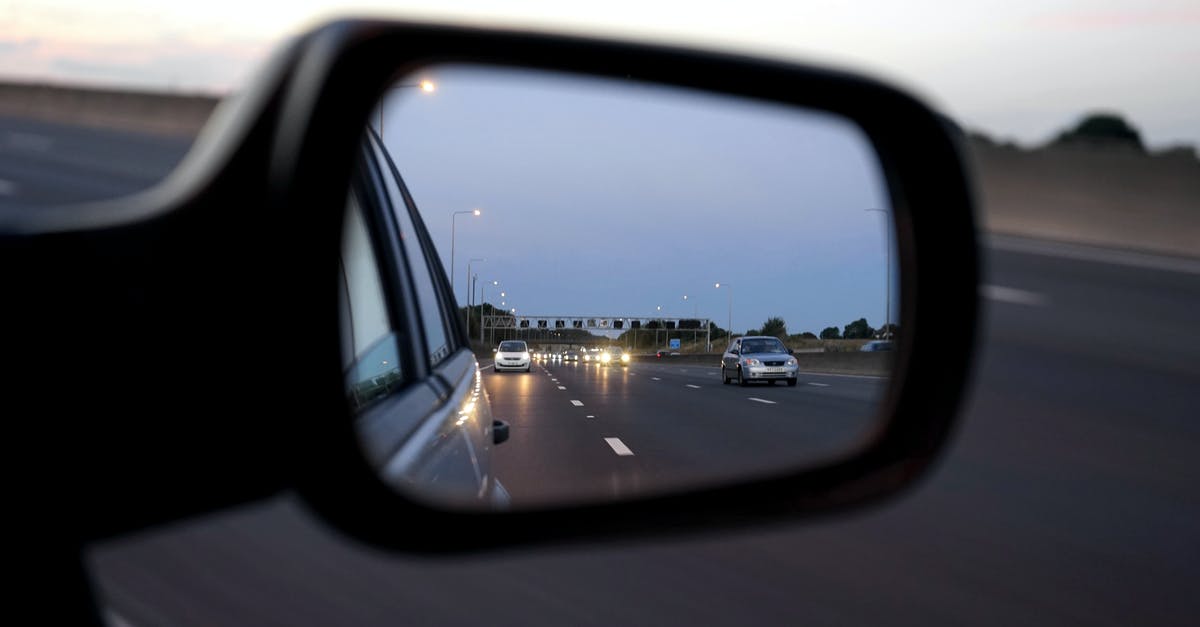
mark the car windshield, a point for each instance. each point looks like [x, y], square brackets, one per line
[512, 347]
[763, 346]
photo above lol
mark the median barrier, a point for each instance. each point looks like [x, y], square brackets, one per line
[158, 113]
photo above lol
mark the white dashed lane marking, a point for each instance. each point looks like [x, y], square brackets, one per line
[618, 447]
[577, 403]
[694, 387]
[562, 387]
[1012, 295]
[655, 379]
[591, 416]
[761, 400]
[820, 385]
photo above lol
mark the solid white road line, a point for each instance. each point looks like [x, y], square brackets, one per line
[761, 400]
[1012, 295]
[487, 366]
[820, 385]
[619, 447]
[577, 403]
[695, 387]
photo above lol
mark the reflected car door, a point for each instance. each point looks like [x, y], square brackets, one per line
[449, 439]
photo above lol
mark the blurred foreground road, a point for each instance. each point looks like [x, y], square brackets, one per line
[1069, 495]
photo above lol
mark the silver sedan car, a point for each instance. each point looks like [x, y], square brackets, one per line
[758, 358]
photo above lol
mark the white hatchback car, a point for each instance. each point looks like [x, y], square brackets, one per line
[513, 355]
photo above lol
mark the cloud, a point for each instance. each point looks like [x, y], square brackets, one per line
[1108, 20]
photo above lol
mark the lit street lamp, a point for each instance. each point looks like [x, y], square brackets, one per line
[425, 86]
[453, 217]
[729, 288]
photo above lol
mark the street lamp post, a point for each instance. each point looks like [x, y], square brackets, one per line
[657, 323]
[887, 238]
[696, 316]
[482, 292]
[470, 285]
[454, 217]
[728, 329]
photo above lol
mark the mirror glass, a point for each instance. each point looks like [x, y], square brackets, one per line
[596, 240]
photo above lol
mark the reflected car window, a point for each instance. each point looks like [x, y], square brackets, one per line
[371, 357]
[433, 316]
[763, 346]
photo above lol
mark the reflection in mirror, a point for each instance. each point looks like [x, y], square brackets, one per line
[600, 240]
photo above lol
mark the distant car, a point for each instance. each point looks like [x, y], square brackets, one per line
[614, 355]
[666, 352]
[591, 355]
[758, 358]
[513, 355]
[877, 345]
[570, 355]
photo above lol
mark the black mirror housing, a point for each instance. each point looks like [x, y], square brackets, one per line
[269, 179]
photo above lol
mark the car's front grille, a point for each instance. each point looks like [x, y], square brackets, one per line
[773, 363]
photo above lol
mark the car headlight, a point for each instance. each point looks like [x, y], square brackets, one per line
[751, 362]
[791, 362]
[605, 357]
[525, 355]
[625, 357]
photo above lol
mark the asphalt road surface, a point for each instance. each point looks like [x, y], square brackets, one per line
[44, 164]
[583, 431]
[1068, 497]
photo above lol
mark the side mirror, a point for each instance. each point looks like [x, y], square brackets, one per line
[372, 412]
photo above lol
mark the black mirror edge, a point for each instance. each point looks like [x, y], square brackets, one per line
[340, 74]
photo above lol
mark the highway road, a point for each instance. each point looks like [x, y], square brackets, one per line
[581, 431]
[43, 164]
[1068, 497]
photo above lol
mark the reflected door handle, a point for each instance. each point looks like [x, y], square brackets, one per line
[499, 432]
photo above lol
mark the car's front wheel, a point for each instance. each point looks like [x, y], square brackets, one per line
[724, 379]
[742, 381]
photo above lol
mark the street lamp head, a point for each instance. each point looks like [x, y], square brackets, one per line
[717, 285]
[428, 86]
[477, 212]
